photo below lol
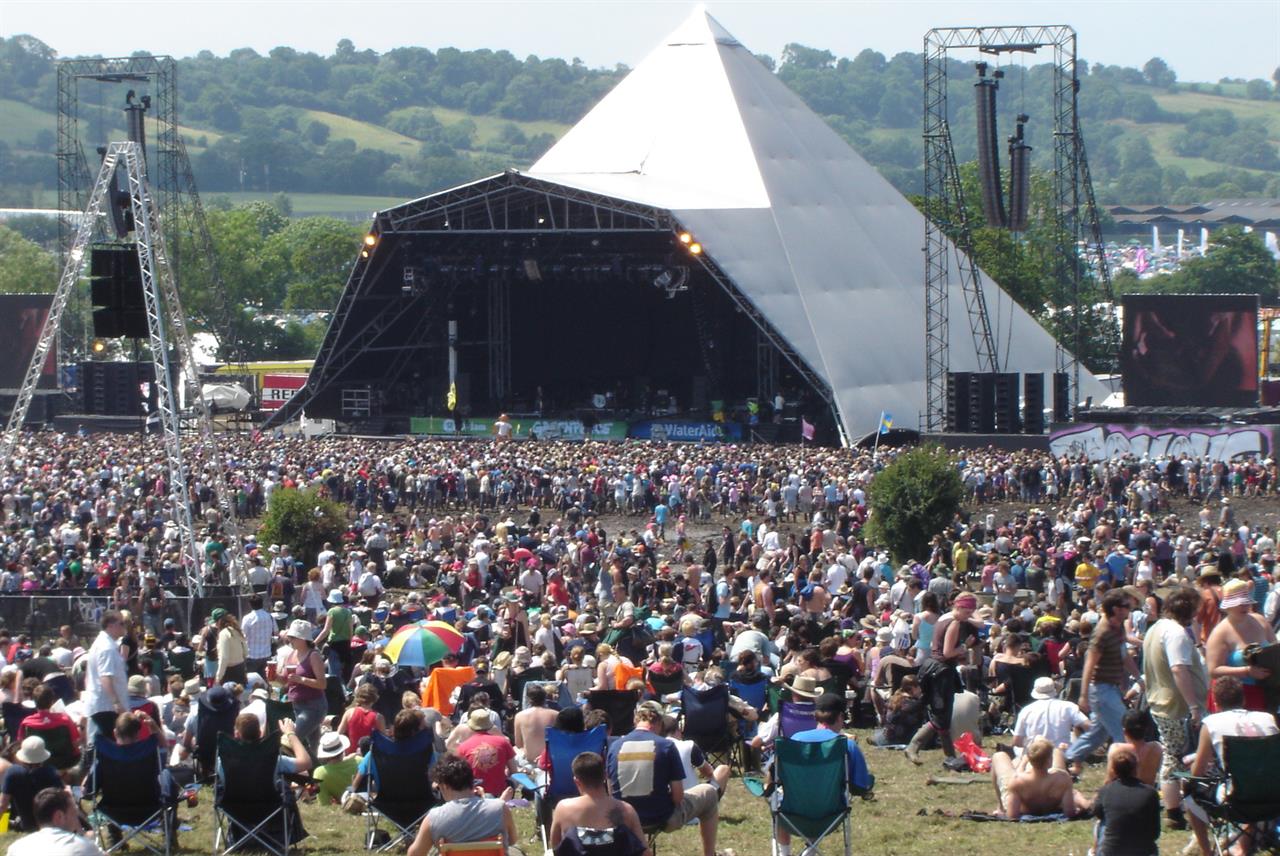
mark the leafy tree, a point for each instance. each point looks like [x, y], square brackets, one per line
[912, 499]
[1237, 262]
[1157, 73]
[1257, 90]
[318, 253]
[25, 267]
[303, 519]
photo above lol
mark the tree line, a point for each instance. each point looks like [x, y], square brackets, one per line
[253, 123]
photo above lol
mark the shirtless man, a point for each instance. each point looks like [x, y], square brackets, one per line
[815, 605]
[597, 811]
[1038, 790]
[1149, 753]
[531, 724]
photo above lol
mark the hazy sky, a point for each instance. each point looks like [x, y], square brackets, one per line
[1200, 39]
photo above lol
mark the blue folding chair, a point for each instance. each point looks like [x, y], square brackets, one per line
[756, 694]
[562, 748]
[706, 715]
[125, 784]
[796, 716]
[403, 794]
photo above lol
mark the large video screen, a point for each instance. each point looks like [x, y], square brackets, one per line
[1196, 350]
[22, 317]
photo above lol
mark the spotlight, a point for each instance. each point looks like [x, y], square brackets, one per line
[364, 254]
[98, 346]
[695, 248]
[370, 240]
[685, 238]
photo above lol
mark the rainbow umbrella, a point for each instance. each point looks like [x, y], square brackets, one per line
[423, 643]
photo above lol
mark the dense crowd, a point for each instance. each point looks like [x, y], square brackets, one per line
[1122, 602]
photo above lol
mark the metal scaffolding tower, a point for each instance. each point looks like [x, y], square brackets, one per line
[166, 326]
[1074, 210]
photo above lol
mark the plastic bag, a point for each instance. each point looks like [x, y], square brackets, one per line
[979, 761]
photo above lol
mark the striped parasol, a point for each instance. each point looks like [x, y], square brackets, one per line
[423, 643]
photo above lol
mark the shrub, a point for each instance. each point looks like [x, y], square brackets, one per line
[304, 520]
[912, 499]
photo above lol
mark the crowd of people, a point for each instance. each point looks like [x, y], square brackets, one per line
[1119, 602]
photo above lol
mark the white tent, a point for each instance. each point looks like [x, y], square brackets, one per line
[820, 243]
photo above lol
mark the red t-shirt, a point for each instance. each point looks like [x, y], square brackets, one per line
[45, 720]
[488, 755]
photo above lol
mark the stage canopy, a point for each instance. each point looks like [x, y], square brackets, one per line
[808, 240]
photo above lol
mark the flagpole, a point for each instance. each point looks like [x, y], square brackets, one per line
[875, 448]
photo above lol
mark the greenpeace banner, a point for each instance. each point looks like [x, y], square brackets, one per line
[523, 429]
[686, 432]
[279, 388]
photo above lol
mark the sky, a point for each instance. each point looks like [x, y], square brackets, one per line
[1202, 40]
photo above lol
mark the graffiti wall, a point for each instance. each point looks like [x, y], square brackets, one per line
[1105, 442]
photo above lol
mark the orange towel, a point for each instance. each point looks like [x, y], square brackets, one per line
[441, 683]
[623, 674]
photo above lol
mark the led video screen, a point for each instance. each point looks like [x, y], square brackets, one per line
[1190, 350]
[22, 318]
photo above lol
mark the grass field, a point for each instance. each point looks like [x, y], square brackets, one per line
[889, 825]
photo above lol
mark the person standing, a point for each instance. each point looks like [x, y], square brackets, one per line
[1177, 691]
[339, 627]
[1107, 667]
[232, 649]
[305, 682]
[259, 630]
[106, 674]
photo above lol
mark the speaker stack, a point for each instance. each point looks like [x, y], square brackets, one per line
[1033, 403]
[115, 286]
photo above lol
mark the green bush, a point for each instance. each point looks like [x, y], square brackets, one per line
[912, 499]
[304, 520]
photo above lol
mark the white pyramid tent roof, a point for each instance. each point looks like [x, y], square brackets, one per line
[821, 244]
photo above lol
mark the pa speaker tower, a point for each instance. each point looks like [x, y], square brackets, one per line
[115, 287]
[1033, 403]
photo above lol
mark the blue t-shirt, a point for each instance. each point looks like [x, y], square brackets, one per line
[642, 767]
[860, 778]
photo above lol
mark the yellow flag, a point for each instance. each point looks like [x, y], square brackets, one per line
[451, 400]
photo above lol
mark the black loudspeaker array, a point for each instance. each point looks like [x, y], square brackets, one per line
[1033, 403]
[1061, 397]
[113, 389]
[1008, 420]
[989, 146]
[115, 285]
[983, 402]
[958, 416]
[1019, 178]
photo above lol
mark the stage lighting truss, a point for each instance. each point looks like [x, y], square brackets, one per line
[673, 280]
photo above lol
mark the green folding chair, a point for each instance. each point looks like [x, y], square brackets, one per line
[1252, 801]
[814, 780]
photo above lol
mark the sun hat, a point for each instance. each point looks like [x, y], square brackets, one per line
[805, 686]
[301, 629]
[479, 720]
[1235, 593]
[336, 597]
[1044, 687]
[193, 688]
[33, 751]
[137, 685]
[883, 635]
[332, 745]
[219, 698]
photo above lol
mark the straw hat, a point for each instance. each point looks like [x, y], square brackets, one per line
[805, 687]
[1235, 593]
[332, 745]
[479, 720]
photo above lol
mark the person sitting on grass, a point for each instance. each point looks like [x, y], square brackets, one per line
[466, 815]
[1035, 785]
[595, 822]
[1148, 752]
[60, 833]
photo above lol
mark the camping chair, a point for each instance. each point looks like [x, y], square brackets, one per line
[211, 726]
[665, 685]
[813, 778]
[756, 694]
[776, 694]
[335, 695]
[63, 687]
[1252, 797]
[562, 748]
[403, 793]
[620, 705]
[515, 683]
[577, 681]
[185, 662]
[796, 716]
[13, 713]
[624, 674]
[124, 782]
[706, 714]
[276, 711]
[1016, 695]
[63, 752]
[553, 694]
[252, 807]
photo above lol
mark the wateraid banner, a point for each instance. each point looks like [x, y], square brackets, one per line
[686, 432]
[522, 429]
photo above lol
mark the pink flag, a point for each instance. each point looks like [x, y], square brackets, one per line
[806, 430]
